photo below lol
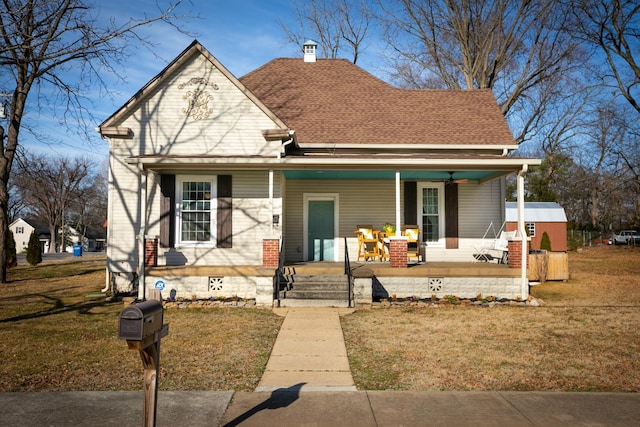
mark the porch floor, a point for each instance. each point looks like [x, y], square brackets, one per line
[422, 269]
[379, 269]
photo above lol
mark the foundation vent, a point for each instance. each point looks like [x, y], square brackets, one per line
[436, 284]
[216, 284]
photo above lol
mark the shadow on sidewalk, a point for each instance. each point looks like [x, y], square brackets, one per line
[280, 398]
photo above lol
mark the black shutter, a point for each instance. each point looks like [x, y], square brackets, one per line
[224, 218]
[167, 210]
[410, 202]
[451, 215]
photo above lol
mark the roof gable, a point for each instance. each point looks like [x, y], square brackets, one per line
[332, 101]
[110, 127]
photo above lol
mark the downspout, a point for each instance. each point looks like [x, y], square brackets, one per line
[524, 282]
[142, 233]
[107, 284]
[285, 143]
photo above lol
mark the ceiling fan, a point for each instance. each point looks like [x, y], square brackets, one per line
[451, 180]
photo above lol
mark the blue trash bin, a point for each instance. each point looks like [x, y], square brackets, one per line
[77, 250]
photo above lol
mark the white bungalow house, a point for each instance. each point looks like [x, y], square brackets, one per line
[218, 183]
[22, 230]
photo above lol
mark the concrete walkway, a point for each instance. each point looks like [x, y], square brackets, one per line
[309, 353]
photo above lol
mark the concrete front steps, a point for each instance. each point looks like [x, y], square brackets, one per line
[314, 290]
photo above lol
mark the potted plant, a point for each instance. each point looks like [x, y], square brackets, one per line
[389, 229]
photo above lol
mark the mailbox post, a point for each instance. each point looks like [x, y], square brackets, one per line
[142, 326]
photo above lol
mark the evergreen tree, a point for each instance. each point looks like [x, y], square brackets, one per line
[545, 242]
[34, 252]
[12, 258]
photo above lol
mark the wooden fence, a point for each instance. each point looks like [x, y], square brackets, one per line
[548, 266]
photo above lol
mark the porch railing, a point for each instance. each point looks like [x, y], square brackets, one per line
[347, 272]
[278, 277]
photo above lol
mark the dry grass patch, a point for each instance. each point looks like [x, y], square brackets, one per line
[585, 338]
[54, 338]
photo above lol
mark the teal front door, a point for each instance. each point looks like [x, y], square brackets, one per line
[320, 237]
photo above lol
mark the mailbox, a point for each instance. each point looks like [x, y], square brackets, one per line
[141, 320]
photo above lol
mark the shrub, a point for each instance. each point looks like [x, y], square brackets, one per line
[34, 251]
[12, 258]
[545, 242]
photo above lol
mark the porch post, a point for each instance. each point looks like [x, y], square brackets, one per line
[524, 283]
[398, 224]
[142, 232]
[271, 201]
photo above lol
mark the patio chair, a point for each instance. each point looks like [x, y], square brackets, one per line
[488, 242]
[499, 243]
[384, 245]
[412, 233]
[368, 242]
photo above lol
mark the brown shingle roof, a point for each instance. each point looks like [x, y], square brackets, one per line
[332, 101]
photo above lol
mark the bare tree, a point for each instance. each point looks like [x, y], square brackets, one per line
[506, 46]
[88, 214]
[58, 45]
[50, 187]
[333, 24]
[613, 27]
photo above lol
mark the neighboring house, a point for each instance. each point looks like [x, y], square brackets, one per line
[541, 217]
[91, 240]
[225, 179]
[22, 230]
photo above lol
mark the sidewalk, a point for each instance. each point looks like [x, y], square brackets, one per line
[307, 382]
[332, 409]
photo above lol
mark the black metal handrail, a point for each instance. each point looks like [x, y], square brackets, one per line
[279, 273]
[347, 271]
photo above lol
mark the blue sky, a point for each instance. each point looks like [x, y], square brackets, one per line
[241, 34]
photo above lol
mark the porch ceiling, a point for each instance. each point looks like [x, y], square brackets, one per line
[423, 175]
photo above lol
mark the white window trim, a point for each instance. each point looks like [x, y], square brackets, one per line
[531, 228]
[180, 179]
[441, 224]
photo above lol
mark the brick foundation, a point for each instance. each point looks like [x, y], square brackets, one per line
[398, 253]
[270, 252]
[151, 252]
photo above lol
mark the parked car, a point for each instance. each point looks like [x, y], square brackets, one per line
[625, 237]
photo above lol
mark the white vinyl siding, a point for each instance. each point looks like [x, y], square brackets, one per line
[123, 213]
[478, 206]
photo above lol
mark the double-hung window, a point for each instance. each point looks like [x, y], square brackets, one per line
[197, 210]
